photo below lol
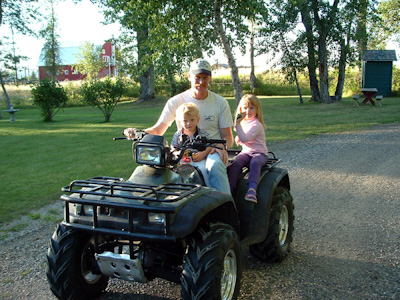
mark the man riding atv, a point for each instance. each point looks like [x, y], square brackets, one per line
[215, 119]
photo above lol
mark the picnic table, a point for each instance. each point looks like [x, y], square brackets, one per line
[369, 93]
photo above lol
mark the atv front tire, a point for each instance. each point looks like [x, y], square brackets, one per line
[280, 231]
[212, 264]
[72, 271]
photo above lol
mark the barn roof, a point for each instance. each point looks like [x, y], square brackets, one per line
[68, 56]
[379, 55]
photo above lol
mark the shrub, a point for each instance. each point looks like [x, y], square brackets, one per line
[105, 94]
[50, 97]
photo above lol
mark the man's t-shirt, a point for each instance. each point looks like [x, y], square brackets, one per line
[215, 112]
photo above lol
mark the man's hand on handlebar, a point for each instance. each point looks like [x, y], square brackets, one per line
[133, 133]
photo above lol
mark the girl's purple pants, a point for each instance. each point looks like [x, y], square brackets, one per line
[253, 160]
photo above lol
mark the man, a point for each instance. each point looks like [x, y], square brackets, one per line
[215, 118]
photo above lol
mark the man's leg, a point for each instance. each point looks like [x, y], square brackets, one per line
[217, 175]
[201, 166]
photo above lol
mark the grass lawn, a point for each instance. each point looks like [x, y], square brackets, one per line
[37, 158]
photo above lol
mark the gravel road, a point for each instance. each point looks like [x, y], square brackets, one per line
[346, 242]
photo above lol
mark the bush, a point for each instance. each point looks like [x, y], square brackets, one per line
[50, 97]
[105, 94]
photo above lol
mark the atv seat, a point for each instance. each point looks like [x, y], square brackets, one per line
[272, 160]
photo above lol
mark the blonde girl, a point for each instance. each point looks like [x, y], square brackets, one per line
[250, 128]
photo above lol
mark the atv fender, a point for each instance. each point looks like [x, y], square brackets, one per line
[254, 218]
[208, 205]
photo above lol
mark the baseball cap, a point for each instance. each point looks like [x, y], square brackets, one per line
[200, 66]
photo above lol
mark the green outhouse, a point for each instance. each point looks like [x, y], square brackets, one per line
[377, 68]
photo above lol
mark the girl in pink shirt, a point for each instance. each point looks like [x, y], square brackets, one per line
[250, 128]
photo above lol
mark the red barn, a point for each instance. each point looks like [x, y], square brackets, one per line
[69, 59]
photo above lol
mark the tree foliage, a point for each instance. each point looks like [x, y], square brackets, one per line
[389, 25]
[19, 14]
[50, 97]
[104, 94]
[90, 61]
[166, 40]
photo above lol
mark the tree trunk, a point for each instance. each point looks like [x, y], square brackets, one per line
[172, 83]
[323, 70]
[342, 70]
[252, 73]
[297, 85]
[312, 65]
[237, 86]
[147, 84]
[5, 92]
[147, 77]
[361, 31]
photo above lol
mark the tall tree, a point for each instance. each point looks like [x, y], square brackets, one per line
[51, 48]
[18, 15]
[230, 19]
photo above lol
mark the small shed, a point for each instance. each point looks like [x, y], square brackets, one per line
[377, 68]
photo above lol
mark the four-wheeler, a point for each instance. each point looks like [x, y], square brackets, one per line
[164, 222]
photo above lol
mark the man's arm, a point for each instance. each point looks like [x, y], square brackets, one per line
[158, 129]
[226, 134]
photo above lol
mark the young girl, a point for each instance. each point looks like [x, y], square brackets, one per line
[250, 128]
[188, 116]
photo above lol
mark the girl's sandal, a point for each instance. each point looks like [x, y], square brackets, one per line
[251, 195]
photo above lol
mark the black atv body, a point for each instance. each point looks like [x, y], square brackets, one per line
[163, 222]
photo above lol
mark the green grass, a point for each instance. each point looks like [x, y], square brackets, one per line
[38, 158]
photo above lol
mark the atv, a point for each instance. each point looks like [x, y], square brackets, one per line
[164, 222]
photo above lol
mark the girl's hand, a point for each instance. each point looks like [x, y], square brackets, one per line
[240, 117]
[237, 140]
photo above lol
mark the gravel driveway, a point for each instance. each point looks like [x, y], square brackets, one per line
[346, 242]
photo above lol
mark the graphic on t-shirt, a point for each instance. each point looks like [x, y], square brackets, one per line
[209, 118]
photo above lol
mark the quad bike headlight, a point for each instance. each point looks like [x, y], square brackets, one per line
[151, 150]
[157, 218]
[149, 155]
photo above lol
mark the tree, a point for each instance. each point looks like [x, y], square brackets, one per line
[90, 61]
[104, 94]
[51, 47]
[50, 97]
[329, 34]
[19, 16]
[388, 25]
[166, 38]
[280, 38]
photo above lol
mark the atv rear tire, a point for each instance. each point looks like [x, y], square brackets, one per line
[72, 271]
[280, 231]
[212, 264]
